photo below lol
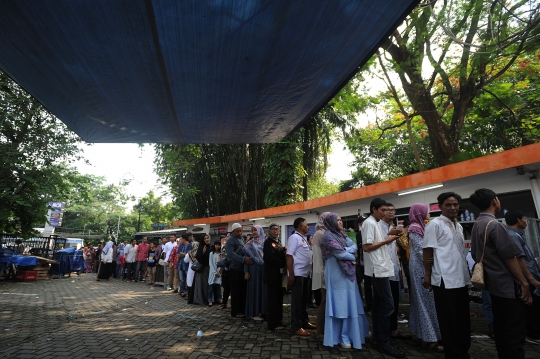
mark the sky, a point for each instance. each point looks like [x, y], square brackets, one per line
[119, 161]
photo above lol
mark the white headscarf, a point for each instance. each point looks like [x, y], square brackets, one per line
[107, 247]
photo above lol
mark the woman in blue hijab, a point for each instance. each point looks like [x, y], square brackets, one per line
[256, 296]
[345, 320]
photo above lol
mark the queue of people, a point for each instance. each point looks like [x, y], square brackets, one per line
[256, 271]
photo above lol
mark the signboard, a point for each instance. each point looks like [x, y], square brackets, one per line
[55, 213]
[54, 219]
[160, 226]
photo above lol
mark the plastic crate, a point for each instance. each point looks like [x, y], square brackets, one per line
[26, 275]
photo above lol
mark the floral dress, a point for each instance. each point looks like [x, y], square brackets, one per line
[423, 320]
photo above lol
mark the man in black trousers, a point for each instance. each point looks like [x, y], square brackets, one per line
[504, 278]
[237, 258]
[274, 266]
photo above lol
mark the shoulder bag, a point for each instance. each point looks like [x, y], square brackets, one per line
[225, 262]
[477, 278]
[196, 266]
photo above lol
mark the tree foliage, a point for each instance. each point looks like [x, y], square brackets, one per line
[93, 205]
[456, 75]
[154, 211]
[209, 180]
[94, 208]
[36, 150]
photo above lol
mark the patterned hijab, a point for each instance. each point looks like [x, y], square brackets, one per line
[334, 241]
[417, 216]
[320, 224]
[254, 248]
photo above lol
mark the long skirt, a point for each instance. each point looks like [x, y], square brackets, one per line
[423, 320]
[200, 286]
[104, 271]
[345, 320]
[256, 292]
[160, 275]
[88, 266]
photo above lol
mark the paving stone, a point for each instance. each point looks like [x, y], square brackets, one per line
[78, 317]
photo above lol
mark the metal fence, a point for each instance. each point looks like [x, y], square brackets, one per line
[37, 246]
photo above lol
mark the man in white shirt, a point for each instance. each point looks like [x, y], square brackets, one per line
[130, 258]
[387, 224]
[379, 266]
[299, 259]
[447, 273]
[167, 248]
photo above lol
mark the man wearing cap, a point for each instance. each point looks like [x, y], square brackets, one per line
[299, 260]
[237, 259]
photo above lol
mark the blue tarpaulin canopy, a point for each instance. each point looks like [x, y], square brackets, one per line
[188, 71]
[8, 257]
[69, 260]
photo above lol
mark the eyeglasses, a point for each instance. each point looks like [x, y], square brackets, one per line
[391, 210]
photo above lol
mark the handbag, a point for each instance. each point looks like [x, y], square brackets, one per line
[196, 266]
[161, 262]
[477, 278]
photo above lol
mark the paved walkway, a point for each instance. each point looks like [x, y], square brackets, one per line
[79, 317]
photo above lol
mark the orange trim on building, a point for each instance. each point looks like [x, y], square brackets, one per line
[495, 162]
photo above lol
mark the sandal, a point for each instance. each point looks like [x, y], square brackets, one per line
[433, 347]
[223, 306]
[210, 304]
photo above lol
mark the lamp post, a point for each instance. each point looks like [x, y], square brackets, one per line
[118, 228]
[139, 223]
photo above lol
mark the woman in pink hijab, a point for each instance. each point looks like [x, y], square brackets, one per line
[423, 322]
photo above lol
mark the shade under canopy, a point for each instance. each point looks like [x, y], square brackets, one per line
[189, 71]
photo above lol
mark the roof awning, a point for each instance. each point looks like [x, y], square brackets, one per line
[211, 71]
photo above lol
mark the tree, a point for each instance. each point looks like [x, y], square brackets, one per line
[284, 172]
[448, 53]
[93, 205]
[151, 211]
[36, 150]
[209, 180]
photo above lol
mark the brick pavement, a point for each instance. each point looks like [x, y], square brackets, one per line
[79, 317]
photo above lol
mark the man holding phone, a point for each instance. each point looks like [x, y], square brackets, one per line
[379, 266]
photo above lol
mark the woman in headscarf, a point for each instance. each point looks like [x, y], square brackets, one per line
[317, 280]
[423, 320]
[105, 264]
[191, 273]
[200, 281]
[345, 322]
[256, 293]
[160, 269]
[88, 259]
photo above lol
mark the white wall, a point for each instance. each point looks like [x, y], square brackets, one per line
[504, 181]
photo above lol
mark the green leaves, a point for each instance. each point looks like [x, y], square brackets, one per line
[35, 151]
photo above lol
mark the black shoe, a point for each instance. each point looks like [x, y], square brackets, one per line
[386, 348]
